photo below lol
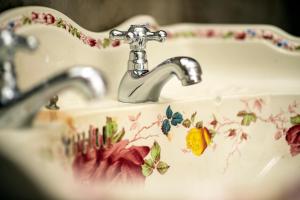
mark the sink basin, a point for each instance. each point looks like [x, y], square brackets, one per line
[235, 131]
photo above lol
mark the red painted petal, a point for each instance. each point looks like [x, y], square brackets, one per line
[142, 150]
[100, 170]
[115, 148]
[132, 172]
[292, 134]
[113, 170]
[295, 149]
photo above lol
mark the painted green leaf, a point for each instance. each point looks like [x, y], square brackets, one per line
[176, 119]
[106, 42]
[228, 35]
[248, 118]
[297, 47]
[77, 34]
[26, 20]
[146, 170]
[118, 137]
[199, 124]
[295, 120]
[70, 28]
[111, 127]
[149, 162]
[166, 127]
[187, 123]
[169, 112]
[212, 132]
[104, 136]
[162, 167]
[155, 152]
[193, 117]
[60, 23]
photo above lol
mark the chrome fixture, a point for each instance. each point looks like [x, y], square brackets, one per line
[139, 84]
[17, 109]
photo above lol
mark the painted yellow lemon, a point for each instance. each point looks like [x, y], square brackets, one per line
[197, 140]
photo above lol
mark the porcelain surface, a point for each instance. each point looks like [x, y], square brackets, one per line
[238, 130]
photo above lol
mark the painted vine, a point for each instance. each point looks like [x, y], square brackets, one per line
[102, 43]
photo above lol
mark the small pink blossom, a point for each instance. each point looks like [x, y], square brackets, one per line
[34, 15]
[91, 41]
[232, 133]
[258, 104]
[49, 19]
[210, 33]
[214, 123]
[134, 119]
[278, 135]
[240, 36]
[292, 107]
[267, 35]
[244, 136]
[115, 43]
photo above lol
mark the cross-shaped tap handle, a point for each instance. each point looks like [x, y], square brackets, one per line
[137, 36]
[11, 42]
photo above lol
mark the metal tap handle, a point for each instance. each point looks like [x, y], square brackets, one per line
[137, 36]
[10, 43]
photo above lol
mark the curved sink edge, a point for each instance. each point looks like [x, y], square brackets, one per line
[110, 105]
[280, 38]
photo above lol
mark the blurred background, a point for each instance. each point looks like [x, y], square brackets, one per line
[98, 15]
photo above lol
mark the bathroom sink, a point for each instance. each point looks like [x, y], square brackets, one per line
[236, 131]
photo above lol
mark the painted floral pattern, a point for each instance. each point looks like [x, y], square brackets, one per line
[197, 140]
[110, 154]
[206, 33]
[106, 156]
[199, 137]
[293, 136]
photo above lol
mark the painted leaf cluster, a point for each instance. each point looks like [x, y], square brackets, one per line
[166, 127]
[295, 120]
[187, 123]
[60, 23]
[154, 162]
[111, 133]
[248, 117]
[172, 119]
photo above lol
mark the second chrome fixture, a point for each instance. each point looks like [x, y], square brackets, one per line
[141, 85]
[18, 108]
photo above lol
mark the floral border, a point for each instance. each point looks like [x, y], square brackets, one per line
[202, 33]
[200, 135]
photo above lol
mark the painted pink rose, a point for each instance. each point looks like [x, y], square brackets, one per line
[240, 36]
[293, 139]
[267, 36]
[115, 43]
[49, 19]
[210, 33]
[90, 41]
[116, 163]
[34, 15]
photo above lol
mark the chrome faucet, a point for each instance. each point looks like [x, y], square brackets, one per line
[18, 109]
[139, 84]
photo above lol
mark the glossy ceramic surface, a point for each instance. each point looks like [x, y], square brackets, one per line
[236, 131]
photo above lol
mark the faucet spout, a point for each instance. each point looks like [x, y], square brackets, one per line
[136, 87]
[20, 111]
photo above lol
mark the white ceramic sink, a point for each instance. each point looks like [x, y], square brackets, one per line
[235, 131]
